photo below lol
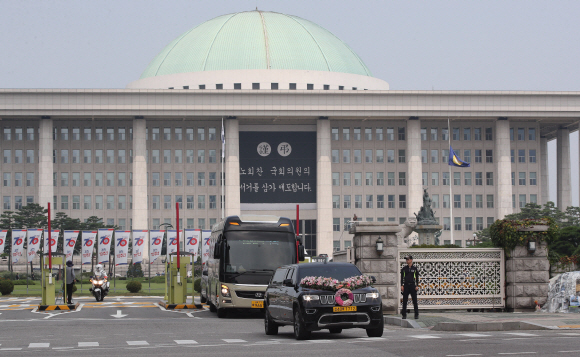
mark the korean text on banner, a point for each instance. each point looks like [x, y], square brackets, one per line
[121, 247]
[53, 241]
[205, 236]
[87, 246]
[3, 234]
[139, 239]
[155, 248]
[34, 236]
[18, 236]
[104, 237]
[70, 239]
[172, 240]
[192, 238]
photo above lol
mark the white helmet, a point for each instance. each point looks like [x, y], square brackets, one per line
[99, 268]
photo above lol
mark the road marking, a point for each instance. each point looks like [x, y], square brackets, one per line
[119, 315]
[88, 344]
[425, 336]
[520, 334]
[39, 345]
[10, 349]
[473, 335]
[320, 341]
[569, 334]
[138, 343]
[189, 314]
[517, 353]
[233, 340]
[371, 338]
[62, 348]
[469, 354]
[185, 342]
[569, 351]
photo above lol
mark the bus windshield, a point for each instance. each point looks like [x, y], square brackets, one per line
[253, 251]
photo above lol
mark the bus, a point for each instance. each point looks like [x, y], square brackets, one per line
[245, 251]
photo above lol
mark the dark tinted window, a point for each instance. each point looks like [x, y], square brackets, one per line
[279, 276]
[339, 272]
[290, 273]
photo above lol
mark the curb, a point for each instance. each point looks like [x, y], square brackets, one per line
[397, 321]
[180, 306]
[490, 326]
[58, 307]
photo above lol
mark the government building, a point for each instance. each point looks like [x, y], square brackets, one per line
[306, 124]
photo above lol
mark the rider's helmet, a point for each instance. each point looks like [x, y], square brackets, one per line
[99, 268]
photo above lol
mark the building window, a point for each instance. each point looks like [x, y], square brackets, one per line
[358, 178]
[423, 156]
[444, 156]
[402, 156]
[255, 85]
[335, 201]
[346, 201]
[466, 133]
[212, 201]
[334, 134]
[110, 156]
[467, 177]
[336, 225]
[522, 156]
[275, 86]
[292, 86]
[63, 202]
[336, 179]
[478, 223]
[369, 201]
[309, 86]
[335, 154]
[522, 178]
[423, 134]
[521, 134]
[402, 201]
[17, 179]
[368, 156]
[533, 179]
[446, 223]
[98, 156]
[401, 132]
[512, 155]
[434, 178]
[457, 223]
[212, 178]
[391, 201]
[368, 178]
[29, 133]
[346, 178]
[402, 178]
[468, 202]
[221, 86]
[357, 201]
[457, 179]
[189, 202]
[534, 199]
[390, 179]
[380, 201]
[357, 156]
[201, 179]
[425, 178]
[478, 156]
[445, 179]
[478, 179]
[446, 203]
[346, 134]
[167, 202]
[434, 134]
[511, 134]
[489, 156]
[532, 134]
[356, 134]
[456, 201]
[478, 201]
[380, 156]
[110, 179]
[522, 200]
[445, 134]
[380, 178]
[455, 134]
[379, 134]
[489, 201]
[390, 134]
[489, 178]
[434, 156]
[532, 156]
[390, 156]
[488, 134]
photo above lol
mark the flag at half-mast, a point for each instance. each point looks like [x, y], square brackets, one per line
[454, 160]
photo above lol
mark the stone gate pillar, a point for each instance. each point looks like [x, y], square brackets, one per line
[384, 267]
[527, 277]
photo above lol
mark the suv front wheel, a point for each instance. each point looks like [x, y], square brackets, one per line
[300, 332]
[377, 332]
[270, 326]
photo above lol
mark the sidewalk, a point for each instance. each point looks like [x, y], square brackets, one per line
[478, 321]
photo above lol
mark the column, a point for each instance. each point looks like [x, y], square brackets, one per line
[503, 195]
[323, 189]
[414, 168]
[544, 177]
[45, 165]
[140, 207]
[564, 179]
[232, 168]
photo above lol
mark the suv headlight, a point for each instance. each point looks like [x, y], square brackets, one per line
[373, 295]
[225, 291]
[309, 298]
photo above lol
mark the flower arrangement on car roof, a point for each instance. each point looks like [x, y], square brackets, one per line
[330, 284]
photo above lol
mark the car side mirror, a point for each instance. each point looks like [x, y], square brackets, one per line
[373, 279]
[288, 283]
[300, 252]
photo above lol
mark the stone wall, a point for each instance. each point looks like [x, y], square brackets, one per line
[384, 267]
[527, 278]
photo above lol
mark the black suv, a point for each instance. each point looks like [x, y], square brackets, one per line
[307, 309]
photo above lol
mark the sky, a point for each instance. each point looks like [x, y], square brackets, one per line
[413, 45]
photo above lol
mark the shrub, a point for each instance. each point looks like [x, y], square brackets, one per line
[134, 286]
[8, 275]
[23, 282]
[122, 278]
[197, 285]
[6, 286]
[158, 279]
[135, 271]
[86, 281]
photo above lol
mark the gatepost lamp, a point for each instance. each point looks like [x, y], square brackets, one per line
[474, 238]
[379, 245]
[531, 246]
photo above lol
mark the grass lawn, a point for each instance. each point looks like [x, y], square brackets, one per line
[117, 288]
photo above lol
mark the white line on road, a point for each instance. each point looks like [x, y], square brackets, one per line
[88, 344]
[186, 342]
[233, 340]
[517, 353]
[569, 334]
[520, 334]
[320, 341]
[371, 338]
[39, 345]
[425, 336]
[10, 349]
[469, 354]
[577, 351]
[62, 348]
[138, 343]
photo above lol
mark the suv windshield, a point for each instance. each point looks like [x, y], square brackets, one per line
[258, 251]
[339, 272]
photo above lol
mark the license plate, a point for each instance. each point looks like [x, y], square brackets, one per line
[343, 308]
[257, 304]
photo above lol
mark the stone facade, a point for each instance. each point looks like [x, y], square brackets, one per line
[527, 278]
[384, 267]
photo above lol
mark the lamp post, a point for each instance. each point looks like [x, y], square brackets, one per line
[474, 238]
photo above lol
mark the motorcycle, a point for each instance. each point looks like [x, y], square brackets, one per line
[99, 288]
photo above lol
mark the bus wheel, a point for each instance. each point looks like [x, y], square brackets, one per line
[221, 313]
[212, 307]
[202, 299]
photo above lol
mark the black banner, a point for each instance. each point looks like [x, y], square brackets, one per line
[277, 167]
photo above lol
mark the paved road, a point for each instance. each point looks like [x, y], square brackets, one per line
[137, 327]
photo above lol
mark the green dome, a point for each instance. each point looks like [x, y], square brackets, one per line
[256, 40]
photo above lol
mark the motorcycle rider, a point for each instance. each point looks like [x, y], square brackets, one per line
[100, 274]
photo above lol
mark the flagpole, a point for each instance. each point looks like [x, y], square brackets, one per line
[222, 172]
[451, 202]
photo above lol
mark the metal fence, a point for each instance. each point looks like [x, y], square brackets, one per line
[458, 278]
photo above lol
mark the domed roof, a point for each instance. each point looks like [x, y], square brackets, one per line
[256, 40]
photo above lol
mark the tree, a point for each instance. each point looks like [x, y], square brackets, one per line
[32, 215]
[7, 222]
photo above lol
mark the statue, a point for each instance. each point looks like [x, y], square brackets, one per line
[426, 215]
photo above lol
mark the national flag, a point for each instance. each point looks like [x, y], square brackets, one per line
[454, 160]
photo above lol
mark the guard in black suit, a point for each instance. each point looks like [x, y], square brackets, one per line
[410, 285]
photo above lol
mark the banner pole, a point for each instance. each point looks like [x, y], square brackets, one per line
[451, 202]
[49, 245]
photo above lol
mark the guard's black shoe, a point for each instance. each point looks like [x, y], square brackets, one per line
[404, 317]
[416, 316]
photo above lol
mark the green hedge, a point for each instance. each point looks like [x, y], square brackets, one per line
[6, 286]
[134, 286]
[197, 285]
[23, 282]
